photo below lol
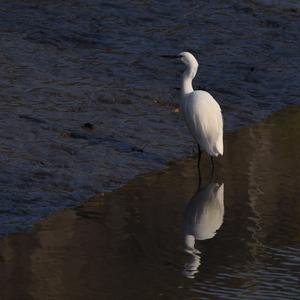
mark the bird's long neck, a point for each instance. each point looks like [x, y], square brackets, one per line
[187, 78]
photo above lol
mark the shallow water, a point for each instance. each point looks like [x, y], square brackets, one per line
[67, 63]
[137, 242]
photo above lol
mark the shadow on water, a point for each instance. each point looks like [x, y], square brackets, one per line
[133, 243]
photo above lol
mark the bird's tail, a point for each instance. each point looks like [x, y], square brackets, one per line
[219, 144]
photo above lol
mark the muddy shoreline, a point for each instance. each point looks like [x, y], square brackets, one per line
[65, 64]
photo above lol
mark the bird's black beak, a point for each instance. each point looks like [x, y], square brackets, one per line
[170, 56]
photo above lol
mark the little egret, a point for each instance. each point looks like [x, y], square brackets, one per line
[201, 112]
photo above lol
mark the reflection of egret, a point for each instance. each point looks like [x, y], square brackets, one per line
[203, 217]
[191, 266]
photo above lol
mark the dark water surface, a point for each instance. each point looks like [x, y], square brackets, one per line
[138, 241]
[67, 63]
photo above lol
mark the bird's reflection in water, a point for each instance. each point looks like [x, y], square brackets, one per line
[203, 217]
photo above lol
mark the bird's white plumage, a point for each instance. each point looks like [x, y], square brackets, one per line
[204, 120]
[201, 111]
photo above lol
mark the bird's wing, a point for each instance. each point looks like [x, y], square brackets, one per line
[206, 123]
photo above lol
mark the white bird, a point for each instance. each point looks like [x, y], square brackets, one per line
[201, 112]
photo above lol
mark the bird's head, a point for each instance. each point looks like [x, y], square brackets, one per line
[188, 59]
[191, 63]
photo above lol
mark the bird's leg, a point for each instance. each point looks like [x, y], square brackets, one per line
[199, 157]
[212, 165]
[199, 179]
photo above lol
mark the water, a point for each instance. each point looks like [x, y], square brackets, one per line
[132, 243]
[68, 63]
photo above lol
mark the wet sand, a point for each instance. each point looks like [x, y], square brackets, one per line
[137, 242]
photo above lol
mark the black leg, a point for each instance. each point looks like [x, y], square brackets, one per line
[199, 156]
[199, 179]
[212, 166]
